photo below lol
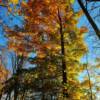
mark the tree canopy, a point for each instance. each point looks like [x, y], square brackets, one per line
[50, 41]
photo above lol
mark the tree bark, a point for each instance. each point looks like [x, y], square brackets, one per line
[64, 67]
[62, 50]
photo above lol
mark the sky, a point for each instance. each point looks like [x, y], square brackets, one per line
[91, 40]
[11, 21]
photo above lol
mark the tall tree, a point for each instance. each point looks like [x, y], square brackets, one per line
[51, 33]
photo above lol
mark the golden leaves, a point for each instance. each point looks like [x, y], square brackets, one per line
[73, 22]
[41, 54]
[98, 66]
[52, 46]
[14, 1]
[3, 74]
[69, 15]
[77, 95]
[24, 4]
[86, 84]
[47, 1]
[83, 29]
[42, 18]
[72, 1]
[80, 13]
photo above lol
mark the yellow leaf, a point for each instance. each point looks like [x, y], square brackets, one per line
[14, 1]
[57, 25]
[77, 96]
[71, 1]
[41, 55]
[86, 83]
[47, 1]
[83, 29]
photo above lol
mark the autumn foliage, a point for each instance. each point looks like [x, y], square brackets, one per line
[50, 32]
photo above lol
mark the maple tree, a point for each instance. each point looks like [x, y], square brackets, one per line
[51, 33]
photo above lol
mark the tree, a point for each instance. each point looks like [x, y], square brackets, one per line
[50, 32]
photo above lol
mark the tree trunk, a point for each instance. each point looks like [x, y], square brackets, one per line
[64, 67]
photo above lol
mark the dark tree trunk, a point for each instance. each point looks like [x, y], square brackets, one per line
[64, 67]
[62, 50]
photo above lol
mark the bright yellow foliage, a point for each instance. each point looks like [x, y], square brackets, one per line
[14, 1]
[42, 32]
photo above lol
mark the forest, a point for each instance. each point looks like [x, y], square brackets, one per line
[49, 49]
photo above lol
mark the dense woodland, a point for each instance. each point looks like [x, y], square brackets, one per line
[49, 41]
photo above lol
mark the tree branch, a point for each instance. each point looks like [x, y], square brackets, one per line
[96, 29]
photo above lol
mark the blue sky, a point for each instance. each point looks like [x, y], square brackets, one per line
[90, 38]
[11, 21]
